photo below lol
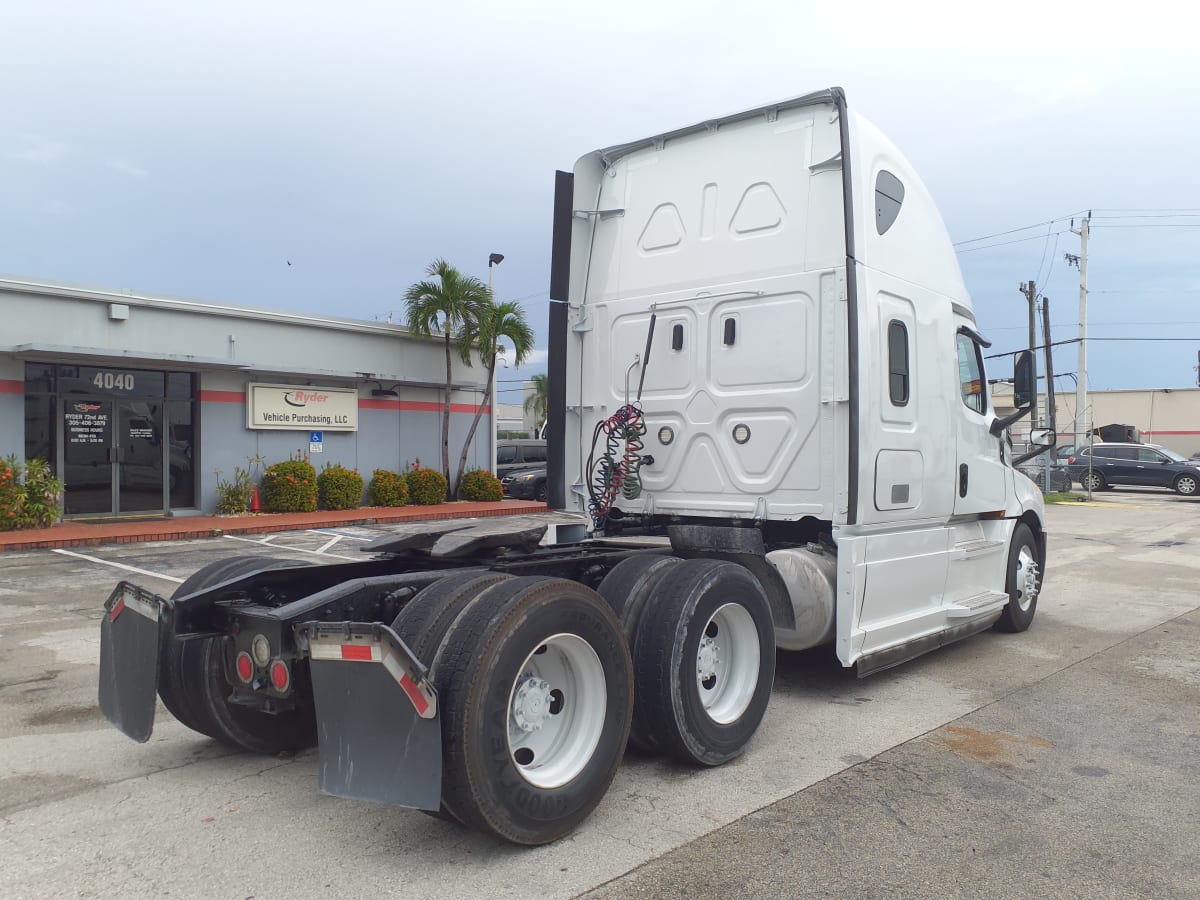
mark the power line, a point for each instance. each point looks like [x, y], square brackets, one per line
[1016, 230]
[1036, 237]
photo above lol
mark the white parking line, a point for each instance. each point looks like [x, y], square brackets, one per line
[296, 549]
[329, 544]
[353, 537]
[116, 565]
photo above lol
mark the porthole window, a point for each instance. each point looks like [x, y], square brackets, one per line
[889, 195]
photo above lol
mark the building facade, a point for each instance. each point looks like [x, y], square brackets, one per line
[141, 404]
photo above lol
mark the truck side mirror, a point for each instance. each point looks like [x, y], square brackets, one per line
[1041, 437]
[1024, 380]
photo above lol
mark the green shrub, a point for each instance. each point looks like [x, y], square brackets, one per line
[339, 487]
[388, 488]
[42, 492]
[480, 484]
[233, 497]
[290, 486]
[426, 487]
[29, 494]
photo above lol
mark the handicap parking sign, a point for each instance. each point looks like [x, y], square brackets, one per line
[316, 440]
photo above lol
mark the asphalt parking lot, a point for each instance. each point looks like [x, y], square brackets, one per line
[1059, 762]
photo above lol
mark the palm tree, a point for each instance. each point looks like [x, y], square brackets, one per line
[492, 323]
[444, 306]
[539, 401]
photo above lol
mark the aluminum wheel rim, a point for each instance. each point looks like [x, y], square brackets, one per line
[727, 663]
[556, 711]
[1026, 580]
[1187, 485]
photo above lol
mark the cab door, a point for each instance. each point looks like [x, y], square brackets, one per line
[982, 477]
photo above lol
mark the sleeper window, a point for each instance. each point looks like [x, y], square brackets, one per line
[898, 363]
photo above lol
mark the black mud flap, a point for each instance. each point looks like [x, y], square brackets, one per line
[129, 642]
[377, 716]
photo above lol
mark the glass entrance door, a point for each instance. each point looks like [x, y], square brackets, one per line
[113, 456]
[88, 456]
[139, 447]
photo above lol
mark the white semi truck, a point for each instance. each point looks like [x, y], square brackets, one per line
[768, 396]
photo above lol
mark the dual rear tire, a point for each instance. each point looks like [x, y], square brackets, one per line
[535, 687]
[703, 647]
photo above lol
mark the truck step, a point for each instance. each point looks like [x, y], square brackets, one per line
[985, 602]
[976, 548]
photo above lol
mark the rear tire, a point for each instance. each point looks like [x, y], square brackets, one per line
[194, 686]
[1023, 582]
[536, 691]
[706, 661]
[627, 588]
[1093, 481]
[424, 622]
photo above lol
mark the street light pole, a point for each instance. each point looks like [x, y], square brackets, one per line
[494, 259]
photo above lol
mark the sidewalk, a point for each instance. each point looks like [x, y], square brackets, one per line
[86, 534]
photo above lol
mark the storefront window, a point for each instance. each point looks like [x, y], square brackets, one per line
[103, 427]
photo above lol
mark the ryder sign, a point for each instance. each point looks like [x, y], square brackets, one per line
[301, 407]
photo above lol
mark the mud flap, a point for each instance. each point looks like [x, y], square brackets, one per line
[129, 643]
[377, 717]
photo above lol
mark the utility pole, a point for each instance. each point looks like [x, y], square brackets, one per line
[1029, 289]
[1081, 364]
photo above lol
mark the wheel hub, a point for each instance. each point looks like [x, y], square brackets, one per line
[1027, 579]
[708, 659]
[531, 704]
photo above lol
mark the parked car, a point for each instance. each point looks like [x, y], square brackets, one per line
[512, 456]
[1035, 469]
[528, 484]
[1103, 465]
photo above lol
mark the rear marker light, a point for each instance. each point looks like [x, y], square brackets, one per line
[118, 608]
[280, 676]
[245, 667]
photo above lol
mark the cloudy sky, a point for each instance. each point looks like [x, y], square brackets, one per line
[193, 149]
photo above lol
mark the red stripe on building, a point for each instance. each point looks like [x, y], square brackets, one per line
[222, 396]
[11, 387]
[417, 405]
[1156, 431]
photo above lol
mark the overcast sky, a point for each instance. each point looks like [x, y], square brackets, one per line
[194, 149]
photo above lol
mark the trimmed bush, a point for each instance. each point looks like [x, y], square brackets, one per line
[290, 486]
[426, 487]
[339, 487]
[480, 484]
[388, 488]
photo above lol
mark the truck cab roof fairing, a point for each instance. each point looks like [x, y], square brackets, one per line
[609, 155]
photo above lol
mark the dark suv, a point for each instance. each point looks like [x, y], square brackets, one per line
[515, 455]
[1145, 465]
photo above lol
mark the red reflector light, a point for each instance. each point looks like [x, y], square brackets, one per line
[1070, 460]
[280, 676]
[245, 668]
[118, 608]
[356, 651]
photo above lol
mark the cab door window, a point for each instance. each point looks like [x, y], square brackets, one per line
[970, 374]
